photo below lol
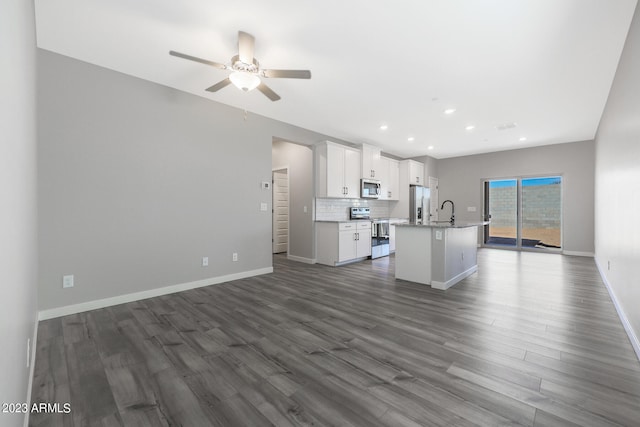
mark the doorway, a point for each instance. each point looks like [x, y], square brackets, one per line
[280, 203]
[525, 213]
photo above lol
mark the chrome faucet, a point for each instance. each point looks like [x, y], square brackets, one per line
[453, 210]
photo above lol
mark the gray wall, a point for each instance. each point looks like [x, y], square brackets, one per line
[618, 182]
[460, 179]
[139, 181]
[299, 160]
[18, 225]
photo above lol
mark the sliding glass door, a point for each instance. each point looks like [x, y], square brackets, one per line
[501, 206]
[524, 213]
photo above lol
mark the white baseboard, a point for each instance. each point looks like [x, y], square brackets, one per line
[301, 259]
[635, 343]
[32, 363]
[122, 299]
[578, 253]
[449, 283]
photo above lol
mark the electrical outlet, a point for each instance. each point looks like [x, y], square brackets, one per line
[235, 256]
[471, 208]
[67, 281]
[205, 261]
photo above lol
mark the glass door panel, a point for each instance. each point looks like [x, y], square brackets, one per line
[541, 212]
[501, 206]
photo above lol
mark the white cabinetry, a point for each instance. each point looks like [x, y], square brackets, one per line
[383, 176]
[394, 180]
[389, 179]
[338, 169]
[371, 163]
[414, 171]
[343, 242]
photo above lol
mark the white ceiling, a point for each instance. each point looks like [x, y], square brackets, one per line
[546, 65]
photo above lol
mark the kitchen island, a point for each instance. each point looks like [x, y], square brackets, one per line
[439, 254]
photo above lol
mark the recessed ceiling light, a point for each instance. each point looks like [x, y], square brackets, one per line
[384, 127]
[450, 111]
[411, 139]
[430, 147]
[523, 138]
[469, 127]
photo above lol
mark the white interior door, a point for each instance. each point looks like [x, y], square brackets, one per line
[280, 211]
[433, 194]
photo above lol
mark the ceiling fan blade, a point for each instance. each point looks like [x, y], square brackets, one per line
[194, 58]
[287, 74]
[216, 87]
[246, 44]
[266, 90]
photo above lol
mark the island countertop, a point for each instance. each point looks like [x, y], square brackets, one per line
[445, 224]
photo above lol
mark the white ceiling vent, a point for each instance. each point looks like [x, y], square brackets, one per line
[505, 126]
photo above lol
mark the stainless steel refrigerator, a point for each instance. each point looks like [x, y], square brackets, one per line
[419, 198]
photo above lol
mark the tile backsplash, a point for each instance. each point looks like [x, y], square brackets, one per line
[338, 209]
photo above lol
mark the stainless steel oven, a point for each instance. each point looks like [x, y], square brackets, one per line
[379, 238]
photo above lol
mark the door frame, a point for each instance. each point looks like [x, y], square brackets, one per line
[288, 170]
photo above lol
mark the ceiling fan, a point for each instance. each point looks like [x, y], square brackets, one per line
[246, 69]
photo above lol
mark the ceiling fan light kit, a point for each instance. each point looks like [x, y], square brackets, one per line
[246, 69]
[244, 81]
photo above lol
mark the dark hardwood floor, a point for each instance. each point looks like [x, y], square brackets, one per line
[531, 339]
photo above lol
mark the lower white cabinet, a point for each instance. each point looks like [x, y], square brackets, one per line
[342, 242]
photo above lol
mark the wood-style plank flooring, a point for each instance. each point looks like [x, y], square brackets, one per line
[531, 339]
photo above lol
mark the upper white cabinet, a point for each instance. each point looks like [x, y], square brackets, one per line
[394, 179]
[371, 162]
[414, 172]
[389, 178]
[338, 169]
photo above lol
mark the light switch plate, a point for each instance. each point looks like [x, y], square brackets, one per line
[67, 281]
[471, 209]
[263, 206]
[438, 234]
[266, 185]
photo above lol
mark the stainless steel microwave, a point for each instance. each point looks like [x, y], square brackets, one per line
[369, 188]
